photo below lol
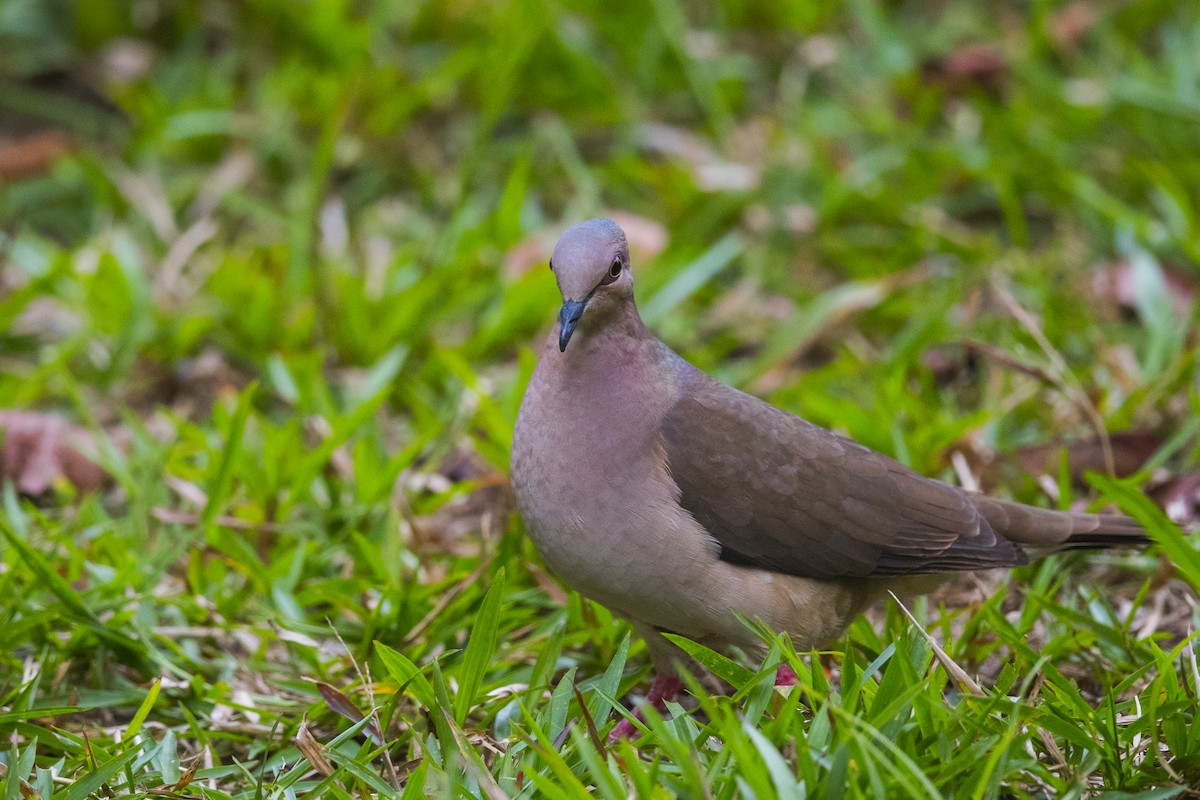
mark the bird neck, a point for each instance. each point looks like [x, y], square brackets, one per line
[612, 360]
[605, 395]
[607, 328]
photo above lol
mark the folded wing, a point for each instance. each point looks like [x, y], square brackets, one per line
[780, 493]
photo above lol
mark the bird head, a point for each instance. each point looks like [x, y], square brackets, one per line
[591, 264]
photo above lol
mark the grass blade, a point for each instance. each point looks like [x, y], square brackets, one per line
[480, 647]
[1164, 532]
[723, 667]
[222, 478]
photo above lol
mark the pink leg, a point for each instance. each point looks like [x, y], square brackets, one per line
[786, 676]
[664, 688]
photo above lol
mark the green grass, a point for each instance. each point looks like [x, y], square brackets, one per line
[293, 281]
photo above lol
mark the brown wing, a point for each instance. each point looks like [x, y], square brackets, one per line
[780, 493]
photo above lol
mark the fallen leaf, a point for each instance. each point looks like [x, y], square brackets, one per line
[184, 780]
[39, 449]
[1179, 497]
[647, 238]
[960, 676]
[32, 155]
[1115, 282]
[312, 750]
[531, 252]
[1069, 23]
[978, 64]
[343, 706]
[1130, 450]
[712, 172]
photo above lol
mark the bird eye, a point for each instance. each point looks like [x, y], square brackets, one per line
[614, 272]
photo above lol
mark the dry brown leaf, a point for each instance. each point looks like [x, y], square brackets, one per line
[1179, 497]
[312, 750]
[1130, 450]
[32, 155]
[1069, 23]
[552, 588]
[965, 682]
[531, 252]
[184, 780]
[979, 64]
[1115, 283]
[486, 782]
[712, 171]
[39, 449]
[343, 706]
[647, 238]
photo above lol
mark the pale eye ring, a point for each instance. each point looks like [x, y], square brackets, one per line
[614, 272]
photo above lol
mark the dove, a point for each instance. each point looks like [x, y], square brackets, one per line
[681, 503]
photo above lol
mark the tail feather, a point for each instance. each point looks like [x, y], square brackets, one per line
[1059, 530]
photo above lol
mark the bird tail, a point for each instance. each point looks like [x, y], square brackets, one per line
[1059, 530]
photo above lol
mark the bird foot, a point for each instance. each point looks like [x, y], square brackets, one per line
[786, 676]
[664, 688]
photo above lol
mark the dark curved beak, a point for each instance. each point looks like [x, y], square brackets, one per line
[568, 318]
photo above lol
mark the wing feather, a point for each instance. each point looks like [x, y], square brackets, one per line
[780, 493]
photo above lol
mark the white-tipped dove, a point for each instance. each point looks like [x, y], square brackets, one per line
[679, 502]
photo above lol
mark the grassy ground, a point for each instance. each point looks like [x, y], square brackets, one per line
[292, 290]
